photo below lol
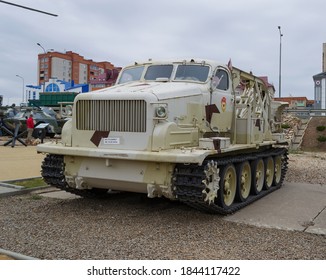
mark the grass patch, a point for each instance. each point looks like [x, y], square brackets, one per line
[30, 183]
[35, 197]
[295, 152]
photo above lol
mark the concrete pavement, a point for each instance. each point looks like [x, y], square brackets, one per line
[296, 206]
[8, 189]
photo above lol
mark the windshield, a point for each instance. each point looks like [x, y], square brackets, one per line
[131, 74]
[192, 72]
[158, 71]
[198, 73]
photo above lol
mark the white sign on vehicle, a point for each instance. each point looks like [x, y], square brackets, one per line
[112, 141]
[42, 125]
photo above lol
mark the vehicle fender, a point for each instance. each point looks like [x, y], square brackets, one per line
[66, 136]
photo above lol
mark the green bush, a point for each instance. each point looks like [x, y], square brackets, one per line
[285, 125]
[321, 128]
[321, 138]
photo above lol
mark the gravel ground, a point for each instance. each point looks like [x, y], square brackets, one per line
[130, 226]
[307, 168]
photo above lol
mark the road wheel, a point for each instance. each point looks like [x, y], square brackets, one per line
[228, 186]
[243, 181]
[269, 172]
[277, 170]
[258, 175]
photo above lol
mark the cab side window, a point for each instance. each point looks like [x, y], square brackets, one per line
[221, 80]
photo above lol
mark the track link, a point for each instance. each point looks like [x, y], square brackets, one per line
[188, 182]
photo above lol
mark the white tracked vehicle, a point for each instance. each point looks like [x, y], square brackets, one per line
[192, 130]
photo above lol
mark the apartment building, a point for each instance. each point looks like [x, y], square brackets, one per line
[70, 66]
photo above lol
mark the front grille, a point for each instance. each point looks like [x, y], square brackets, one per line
[111, 115]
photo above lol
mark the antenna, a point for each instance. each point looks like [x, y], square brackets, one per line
[27, 8]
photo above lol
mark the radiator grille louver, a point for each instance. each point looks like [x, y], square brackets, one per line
[111, 115]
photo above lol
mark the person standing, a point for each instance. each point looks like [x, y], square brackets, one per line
[30, 128]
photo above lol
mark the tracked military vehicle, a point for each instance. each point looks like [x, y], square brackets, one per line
[192, 130]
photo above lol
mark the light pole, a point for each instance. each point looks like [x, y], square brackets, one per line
[280, 63]
[43, 64]
[23, 86]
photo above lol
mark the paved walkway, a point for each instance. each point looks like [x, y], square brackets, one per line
[19, 162]
[295, 206]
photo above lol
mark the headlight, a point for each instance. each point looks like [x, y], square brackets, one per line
[161, 112]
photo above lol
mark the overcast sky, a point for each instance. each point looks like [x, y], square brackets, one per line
[124, 31]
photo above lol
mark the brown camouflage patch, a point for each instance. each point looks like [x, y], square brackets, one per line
[98, 135]
[210, 109]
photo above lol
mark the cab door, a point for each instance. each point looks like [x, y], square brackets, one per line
[221, 104]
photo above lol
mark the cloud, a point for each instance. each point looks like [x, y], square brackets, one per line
[126, 31]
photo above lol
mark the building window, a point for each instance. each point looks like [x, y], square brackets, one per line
[52, 88]
[318, 94]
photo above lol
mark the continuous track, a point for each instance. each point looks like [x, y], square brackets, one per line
[187, 180]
